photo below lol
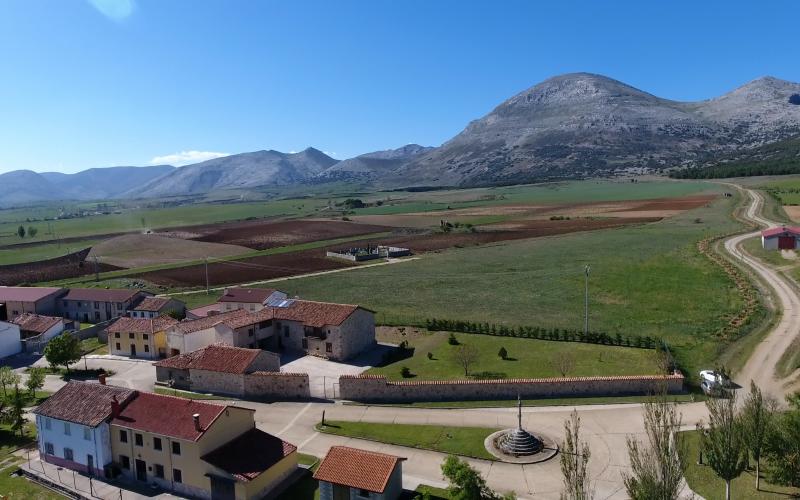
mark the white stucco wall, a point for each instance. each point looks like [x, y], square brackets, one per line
[99, 444]
[9, 339]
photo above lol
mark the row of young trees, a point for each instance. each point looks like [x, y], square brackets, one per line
[732, 436]
[31, 231]
[536, 332]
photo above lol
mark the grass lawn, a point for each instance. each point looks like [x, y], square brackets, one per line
[679, 398]
[646, 280]
[17, 487]
[527, 358]
[464, 441]
[188, 394]
[433, 492]
[705, 483]
[41, 252]
[93, 345]
[307, 488]
[77, 373]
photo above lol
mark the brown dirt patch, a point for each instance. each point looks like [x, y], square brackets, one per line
[793, 211]
[139, 250]
[68, 266]
[264, 234]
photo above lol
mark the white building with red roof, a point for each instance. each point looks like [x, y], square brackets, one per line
[781, 238]
[334, 331]
[354, 473]
[153, 307]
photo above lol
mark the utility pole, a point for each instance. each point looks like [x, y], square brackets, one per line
[96, 269]
[586, 303]
[208, 291]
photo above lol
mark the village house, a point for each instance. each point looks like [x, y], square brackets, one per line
[152, 307]
[780, 238]
[16, 300]
[35, 325]
[9, 339]
[203, 311]
[72, 426]
[139, 337]
[199, 449]
[95, 305]
[347, 473]
[250, 299]
[334, 331]
[217, 369]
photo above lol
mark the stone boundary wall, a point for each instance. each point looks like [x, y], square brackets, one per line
[375, 388]
[277, 386]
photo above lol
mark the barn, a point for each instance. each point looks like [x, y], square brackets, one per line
[780, 238]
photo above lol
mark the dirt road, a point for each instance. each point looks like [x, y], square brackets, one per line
[761, 366]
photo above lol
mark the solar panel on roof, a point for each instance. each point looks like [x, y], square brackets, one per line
[279, 302]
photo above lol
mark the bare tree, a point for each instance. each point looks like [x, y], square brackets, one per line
[574, 458]
[723, 441]
[563, 362]
[659, 462]
[466, 355]
[757, 414]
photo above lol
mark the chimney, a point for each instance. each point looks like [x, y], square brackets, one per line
[102, 379]
[196, 420]
[114, 406]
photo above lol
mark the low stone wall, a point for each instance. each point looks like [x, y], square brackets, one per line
[375, 388]
[277, 386]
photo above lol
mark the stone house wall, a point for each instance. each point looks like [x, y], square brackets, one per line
[277, 385]
[378, 389]
[217, 382]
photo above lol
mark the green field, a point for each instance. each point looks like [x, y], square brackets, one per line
[527, 358]
[550, 193]
[464, 441]
[704, 482]
[646, 280]
[42, 252]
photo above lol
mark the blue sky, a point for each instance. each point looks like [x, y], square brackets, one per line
[129, 82]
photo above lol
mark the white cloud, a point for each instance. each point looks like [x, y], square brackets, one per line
[186, 158]
[114, 9]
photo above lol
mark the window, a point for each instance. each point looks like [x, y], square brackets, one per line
[118, 347]
[328, 347]
[67, 430]
[131, 336]
[250, 332]
[159, 471]
[252, 307]
[68, 454]
[263, 324]
[15, 312]
[363, 493]
[305, 343]
[138, 439]
[123, 436]
[48, 424]
[87, 434]
[157, 443]
[64, 303]
[146, 348]
[97, 305]
[125, 462]
[286, 331]
[116, 336]
[119, 305]
[177, 476]
[48, 449]
[176, 448]
[145, 336]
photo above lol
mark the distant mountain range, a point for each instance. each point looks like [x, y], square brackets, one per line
[569, 126]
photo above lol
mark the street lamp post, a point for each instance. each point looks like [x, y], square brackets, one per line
[586, 303]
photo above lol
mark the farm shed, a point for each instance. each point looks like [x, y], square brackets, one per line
[780, 238]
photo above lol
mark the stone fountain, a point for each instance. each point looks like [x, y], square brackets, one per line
[520, 446]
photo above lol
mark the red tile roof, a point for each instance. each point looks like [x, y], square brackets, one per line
[202, 312]
[316, 314]
[152, 304]
[250, 454]
[84, 403]
[101, 294]
[234, 319]
[168, 415]
[246, 295]
[217, 358]
[25, 293]
[356, 468]
[141, 325]
[35, 323]
[775, 231]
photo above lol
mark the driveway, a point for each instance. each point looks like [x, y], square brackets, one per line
[324, 375]
[139, 374]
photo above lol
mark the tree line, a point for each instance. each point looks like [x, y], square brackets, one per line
[541, 333]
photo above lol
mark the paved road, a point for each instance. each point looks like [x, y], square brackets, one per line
[761, 366]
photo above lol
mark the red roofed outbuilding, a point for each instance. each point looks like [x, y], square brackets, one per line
[354, 473]
[781, 238]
